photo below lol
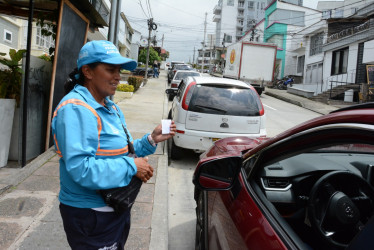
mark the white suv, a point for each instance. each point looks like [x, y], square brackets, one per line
[207, 109]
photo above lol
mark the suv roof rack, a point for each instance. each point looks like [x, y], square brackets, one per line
[366, 105]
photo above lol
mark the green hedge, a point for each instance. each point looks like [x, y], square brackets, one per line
[135, 81]
[125, 88]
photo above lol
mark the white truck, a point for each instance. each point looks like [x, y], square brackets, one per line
[251, 62]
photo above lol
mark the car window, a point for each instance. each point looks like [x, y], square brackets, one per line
[182, 75]
[181, 88]
[228, 100]
[182, 67]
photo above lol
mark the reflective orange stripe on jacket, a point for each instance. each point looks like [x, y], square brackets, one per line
[102, 152]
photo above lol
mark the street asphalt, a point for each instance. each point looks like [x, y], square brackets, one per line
[29, 213]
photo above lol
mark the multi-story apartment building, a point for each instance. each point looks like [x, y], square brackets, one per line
[235, 17]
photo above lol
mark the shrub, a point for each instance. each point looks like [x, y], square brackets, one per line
[135, 81]
[125, 88]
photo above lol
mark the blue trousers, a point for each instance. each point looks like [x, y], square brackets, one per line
[86, 228]
[155, 72]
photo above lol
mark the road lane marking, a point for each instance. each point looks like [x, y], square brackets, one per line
[268, 106]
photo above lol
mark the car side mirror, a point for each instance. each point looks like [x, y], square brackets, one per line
[171, 91]
[218, 174]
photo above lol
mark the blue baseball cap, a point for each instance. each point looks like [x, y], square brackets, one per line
[104, 52]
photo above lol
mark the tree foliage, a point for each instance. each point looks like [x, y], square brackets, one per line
[153, 55]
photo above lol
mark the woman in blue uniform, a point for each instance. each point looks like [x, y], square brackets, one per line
[91, 137]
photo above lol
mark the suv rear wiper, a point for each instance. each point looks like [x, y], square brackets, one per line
[206, 107]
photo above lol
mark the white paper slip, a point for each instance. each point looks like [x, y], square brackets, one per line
[165, 126]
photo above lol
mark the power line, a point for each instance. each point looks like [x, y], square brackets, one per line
[149, 8]
[140, 3]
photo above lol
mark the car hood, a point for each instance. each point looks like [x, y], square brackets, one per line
[233, 146]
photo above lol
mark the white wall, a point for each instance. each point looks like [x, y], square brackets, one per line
[350, 76]
[228, 20]
[368, 52]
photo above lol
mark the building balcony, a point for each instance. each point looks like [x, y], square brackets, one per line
[217, 9]
[239, 25]
[241, 6]
[239, 33]
[240, 15]
[216, 18]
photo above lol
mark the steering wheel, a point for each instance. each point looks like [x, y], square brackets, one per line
[340, 204]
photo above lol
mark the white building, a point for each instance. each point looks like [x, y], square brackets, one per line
[10, 33]
[235, 17]
[135, 44]
[340, 9]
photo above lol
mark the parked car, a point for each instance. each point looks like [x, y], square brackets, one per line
[310, 187]
[176, 67]
[206, 109]
[140, 71]
[178, 77]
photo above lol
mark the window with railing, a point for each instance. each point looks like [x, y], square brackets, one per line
[230, 2]
[277, 39]
[339, 61]
[251, 4]
[316, 43]
[43, 41]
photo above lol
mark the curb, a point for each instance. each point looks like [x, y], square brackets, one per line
[26, 171]
[160, 222]
[284, 99]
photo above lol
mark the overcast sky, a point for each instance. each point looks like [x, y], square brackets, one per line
[181, 22]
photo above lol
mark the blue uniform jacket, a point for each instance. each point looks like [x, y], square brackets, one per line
[92, 145]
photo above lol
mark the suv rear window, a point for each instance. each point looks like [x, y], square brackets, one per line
[224, 100]
[182, 75]
[182, 67]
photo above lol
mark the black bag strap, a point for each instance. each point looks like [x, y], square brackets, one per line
[130, 145]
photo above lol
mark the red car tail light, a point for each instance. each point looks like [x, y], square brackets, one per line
[174, 85]
[188, 95]
[180, 131]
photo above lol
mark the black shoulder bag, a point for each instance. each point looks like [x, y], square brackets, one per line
[121, 199]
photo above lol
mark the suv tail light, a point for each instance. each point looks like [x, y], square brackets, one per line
[188, 95]
[174, 85]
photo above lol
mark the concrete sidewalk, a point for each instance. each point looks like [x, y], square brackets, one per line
[304, 102]
[29, 213]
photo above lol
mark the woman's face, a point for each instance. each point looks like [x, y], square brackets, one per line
[102, 80]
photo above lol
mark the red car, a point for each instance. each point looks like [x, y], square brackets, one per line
[310, 187]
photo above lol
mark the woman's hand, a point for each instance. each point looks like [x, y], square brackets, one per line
[157, 135]
[145, 171]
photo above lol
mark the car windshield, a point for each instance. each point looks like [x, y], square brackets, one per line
[182, 67]
[228, 100]
[182, 75]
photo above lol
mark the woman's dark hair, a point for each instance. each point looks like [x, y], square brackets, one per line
[72, 81]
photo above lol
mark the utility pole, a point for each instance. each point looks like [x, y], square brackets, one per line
[193, 60]
[151, 26]
[210, 53]
[202, 66]
[162, 43]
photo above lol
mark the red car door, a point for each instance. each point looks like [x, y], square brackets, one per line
[236, 222]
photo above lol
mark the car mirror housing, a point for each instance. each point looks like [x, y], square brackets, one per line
[218, 174]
